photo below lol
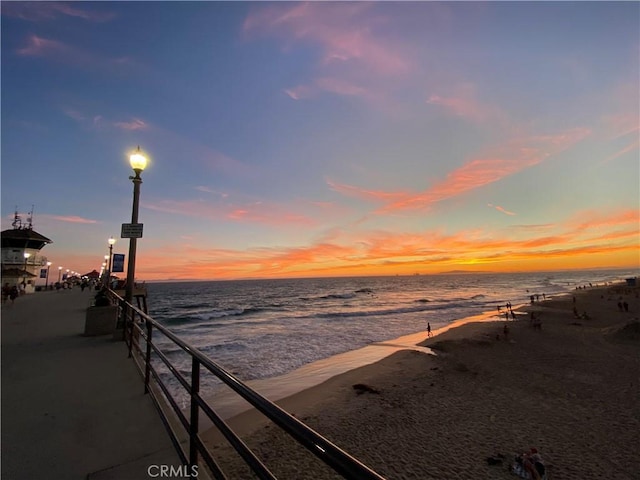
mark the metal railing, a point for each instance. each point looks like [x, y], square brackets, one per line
[139, 328]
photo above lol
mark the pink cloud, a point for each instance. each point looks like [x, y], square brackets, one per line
[343, 30]
[70, 219]
[464, 104]
[38, 46]
[500, 209]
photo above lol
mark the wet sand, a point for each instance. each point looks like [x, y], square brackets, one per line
[571, 389]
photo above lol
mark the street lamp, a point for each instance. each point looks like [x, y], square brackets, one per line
[111, 242]
[26, 257]
[46, 282]
[105, 278]
[59, 274]
[138, 163]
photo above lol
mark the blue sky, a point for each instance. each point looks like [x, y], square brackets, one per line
[303, 139]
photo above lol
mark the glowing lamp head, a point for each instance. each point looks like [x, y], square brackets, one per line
[26, 255]
[112, 240]
[48, 264]
[138, 161]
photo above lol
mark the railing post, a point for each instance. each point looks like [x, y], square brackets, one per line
[125, 320]
[131, 322]
[193, 423]
[147, 362]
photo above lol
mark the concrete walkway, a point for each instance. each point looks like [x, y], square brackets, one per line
[73, 407]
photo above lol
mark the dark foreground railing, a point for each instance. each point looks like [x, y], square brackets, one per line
[139, 331]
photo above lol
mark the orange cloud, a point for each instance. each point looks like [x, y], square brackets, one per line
[378, 253]
[502, 161]
[371, 195]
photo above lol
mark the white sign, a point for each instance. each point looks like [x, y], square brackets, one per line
[131, 230]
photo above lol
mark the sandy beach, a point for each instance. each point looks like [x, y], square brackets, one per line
[570, 388]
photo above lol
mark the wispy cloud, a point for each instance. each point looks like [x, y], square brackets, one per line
[355, 53]
[134, 124]
[97, 121]
[256, 212]
[331, 85]
[201, 188]
[635, 145]
[39, 46]
[344, 31]
[500, 209]
[497, 163]
[464, 103]
[364, 194]
[47, 11]
[486, 168]
[55, 50]
[70, 218]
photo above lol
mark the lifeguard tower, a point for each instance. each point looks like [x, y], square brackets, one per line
[21, 259]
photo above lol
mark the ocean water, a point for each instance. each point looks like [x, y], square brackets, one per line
[259, 329]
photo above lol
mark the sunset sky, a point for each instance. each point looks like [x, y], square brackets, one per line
[326, 139]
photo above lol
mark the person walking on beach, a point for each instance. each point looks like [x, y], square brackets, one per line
[428, 329]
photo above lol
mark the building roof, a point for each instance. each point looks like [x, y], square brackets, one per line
[23, 238]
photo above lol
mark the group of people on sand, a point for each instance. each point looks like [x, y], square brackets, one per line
[509, 313]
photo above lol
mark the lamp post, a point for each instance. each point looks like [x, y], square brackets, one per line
[111, 242]
[26, 257]
[138, 163]
[46, 282]
[59, 273]
[105, 278]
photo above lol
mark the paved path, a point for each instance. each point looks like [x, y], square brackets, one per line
[73, 407]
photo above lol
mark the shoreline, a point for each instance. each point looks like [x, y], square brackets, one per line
[228, 404]
[479, 384]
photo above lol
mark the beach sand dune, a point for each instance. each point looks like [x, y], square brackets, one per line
[571, 389]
